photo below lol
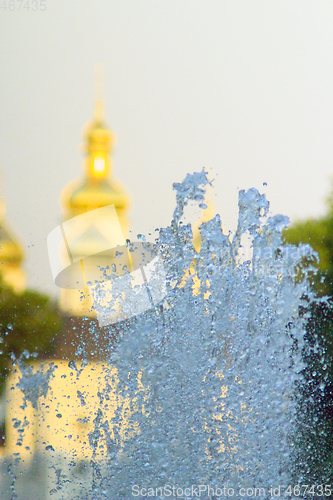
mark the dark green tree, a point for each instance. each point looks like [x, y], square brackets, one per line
[315, 433]
[28, 321]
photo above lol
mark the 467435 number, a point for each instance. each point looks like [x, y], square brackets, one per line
[320, 490]
[17, 5]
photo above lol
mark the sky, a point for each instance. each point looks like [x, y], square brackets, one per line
[242, 88]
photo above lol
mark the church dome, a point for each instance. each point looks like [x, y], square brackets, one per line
[81, 195]
[11, 255]
[10, 250]
[97, 188]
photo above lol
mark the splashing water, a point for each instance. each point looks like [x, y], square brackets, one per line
[203, 387]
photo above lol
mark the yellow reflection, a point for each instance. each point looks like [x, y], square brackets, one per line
[66, 417]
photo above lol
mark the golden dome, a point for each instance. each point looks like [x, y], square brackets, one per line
[11, 255]
[97, 188]
[10, 250]
[81, 195]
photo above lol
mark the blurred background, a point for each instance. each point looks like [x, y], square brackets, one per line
[244, 89]
[241, 88]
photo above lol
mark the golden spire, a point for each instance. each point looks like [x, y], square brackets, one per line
[99, 94]
[99, 140]
[98, 188]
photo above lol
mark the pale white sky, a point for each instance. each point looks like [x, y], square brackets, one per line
[242, 87]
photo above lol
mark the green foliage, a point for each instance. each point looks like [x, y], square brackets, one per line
[315, 455]
[319, 234]
[28, 321]
[313, 452]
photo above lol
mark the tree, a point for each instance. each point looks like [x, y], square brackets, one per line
[28, 321]
[315, 457]
[319, 234]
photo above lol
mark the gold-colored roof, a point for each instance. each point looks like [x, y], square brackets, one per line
[81, 195]
[98, 188]
[10, 249]
[11, 255]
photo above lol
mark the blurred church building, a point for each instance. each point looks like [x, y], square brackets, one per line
[96, 188]
[59, 426]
